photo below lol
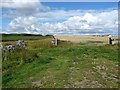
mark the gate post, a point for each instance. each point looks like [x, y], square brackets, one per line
[56, 41]
[110, 40]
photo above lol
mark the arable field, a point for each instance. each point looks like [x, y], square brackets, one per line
[69, 65]
[87, 39]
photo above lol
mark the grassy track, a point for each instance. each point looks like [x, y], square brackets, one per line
[66, 66]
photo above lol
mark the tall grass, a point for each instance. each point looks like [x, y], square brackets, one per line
[40, 43]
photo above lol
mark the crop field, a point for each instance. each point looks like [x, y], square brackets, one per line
[68, 65]
[87, 39]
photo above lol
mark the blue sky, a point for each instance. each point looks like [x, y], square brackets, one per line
[81, 5]
[68, 18]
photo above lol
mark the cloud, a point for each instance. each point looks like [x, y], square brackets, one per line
[23, 7]
[23, 25]
[104, 22]
[87, 23]
[60, 14]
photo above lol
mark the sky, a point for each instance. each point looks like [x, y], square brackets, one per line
[59, 18]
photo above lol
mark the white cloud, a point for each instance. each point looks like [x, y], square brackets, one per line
[23, 7]
[60, 14]
[102, 22]
[23, 25]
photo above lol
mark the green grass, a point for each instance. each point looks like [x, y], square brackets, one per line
[15, 37]
[66, 66]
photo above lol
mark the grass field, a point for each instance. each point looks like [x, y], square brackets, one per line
[16, 37]
[69, 65]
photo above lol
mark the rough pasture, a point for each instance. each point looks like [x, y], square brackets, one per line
[69, 65]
